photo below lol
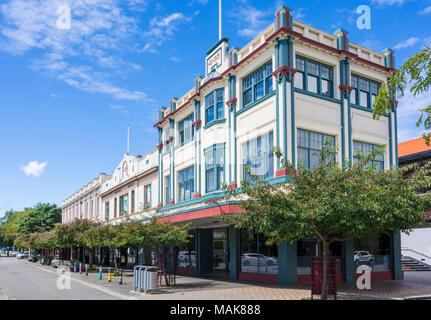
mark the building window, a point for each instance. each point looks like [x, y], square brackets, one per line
[167, 189]
[115, 207]
[366, 148]
[147, 196]
[124, 205]
[314, 77]
[364, 91]
[256, 256]
[257, 155]
[309, 147]
[214, 167]
[185, 184]
[187, 254]
[107, 211]
[258, 84]
[214, 102]
[132, 207]
[186, 131]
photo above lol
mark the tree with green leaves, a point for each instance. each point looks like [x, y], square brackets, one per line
[415, 76]
[333, 203]
[41, 217]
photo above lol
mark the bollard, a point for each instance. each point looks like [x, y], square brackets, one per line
[109, 274]
[80, 268]
[121, 277]
[100, 273]
[74, 267]
[86, 269]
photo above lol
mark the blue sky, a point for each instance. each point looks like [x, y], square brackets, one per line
[66, 96]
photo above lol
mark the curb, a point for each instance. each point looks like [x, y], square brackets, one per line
[90, 285]
[417, 297]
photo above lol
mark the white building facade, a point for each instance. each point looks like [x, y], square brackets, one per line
[292, 86]
[84, 203]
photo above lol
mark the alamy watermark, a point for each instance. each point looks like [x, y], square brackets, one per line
[64, 20]
[364, 20]
[64, 278]
[364, 280]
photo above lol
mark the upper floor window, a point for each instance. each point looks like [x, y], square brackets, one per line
[366, 148]
[167, 189]
[257, 155]
[124, 205]
[364, 91]
[132, 200]
[147, 196]
[309, 147]
[258, 84]
[214, 167]
[314, 77]
[214, 103]
[107, 211]
[186, 184]
[185, 128]
[115, 207]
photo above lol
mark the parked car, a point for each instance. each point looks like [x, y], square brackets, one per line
[22, 255]
[363, 257]
[252, 259]
[14, 253]
[32, 258]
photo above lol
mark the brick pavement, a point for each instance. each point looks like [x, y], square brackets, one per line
[193, 288]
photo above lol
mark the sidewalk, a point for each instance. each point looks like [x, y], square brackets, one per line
[193, 288]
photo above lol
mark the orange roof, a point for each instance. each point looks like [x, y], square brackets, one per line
[412, 147]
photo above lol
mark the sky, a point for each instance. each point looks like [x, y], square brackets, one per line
[68, 91]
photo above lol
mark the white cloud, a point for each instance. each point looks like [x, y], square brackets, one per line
[175, 59]
[80, 56]
[162, 29]
[251, 20]
[34, 168]
[426, 10]
[408, 114]
[388, 2]
[408, 43]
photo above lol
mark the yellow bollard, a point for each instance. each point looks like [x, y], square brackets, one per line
[109, 274]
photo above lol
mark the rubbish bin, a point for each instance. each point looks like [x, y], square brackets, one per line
[150, 282]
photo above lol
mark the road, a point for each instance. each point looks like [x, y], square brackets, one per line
[22, 281]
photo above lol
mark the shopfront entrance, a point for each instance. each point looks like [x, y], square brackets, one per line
[220, 250]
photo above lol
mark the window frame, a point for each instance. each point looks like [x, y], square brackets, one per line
[126, 212]
[215, 166]
[167, 189]
[303, 70]
[181, 183]
[267, 83]
[356, 85]
[107, 210]
[182, 128]
[268, 161]
[362, 144]
[216, 105]
[309, 148]
[147, 196]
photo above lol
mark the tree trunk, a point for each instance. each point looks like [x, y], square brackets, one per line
[115, 260]
[324, 295]
[90, 260]
[71, 254]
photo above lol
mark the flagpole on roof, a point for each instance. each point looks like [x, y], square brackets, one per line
[219, 20]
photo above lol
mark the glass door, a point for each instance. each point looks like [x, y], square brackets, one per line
[220, 250]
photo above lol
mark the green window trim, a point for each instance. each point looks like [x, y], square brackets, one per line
[214, 106]
[257, 154]
[257, 85]
[124, 204]
[308, 71]
[147, 196]
[167, 189]
[185, 182]
[186, 130]
[363, 86]
[364, 148]
[214, 164]
[309, 144]
[107, 210]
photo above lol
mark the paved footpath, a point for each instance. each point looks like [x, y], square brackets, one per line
[21, 281]
[192, 288]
